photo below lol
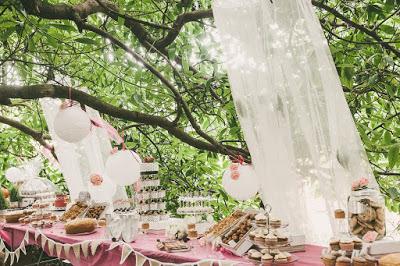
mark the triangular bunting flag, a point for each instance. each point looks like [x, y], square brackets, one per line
[93, 246]
[6, 254]
[58, 249]
[140, 259]
[37, 234]
[77, 250]
[205, 263]
[85, 248]
[67, 247]
[155, 263]
[22, 247]
[126, 251]
[17, 253]
[113, 245]
[43, 241]
[225, 263]
[26, 237]
[51, 244]
[2, 246]
[12, 256]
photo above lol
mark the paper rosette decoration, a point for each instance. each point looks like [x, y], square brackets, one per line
[72, 124]
[240, 181]
[102, 192]
[123, 167]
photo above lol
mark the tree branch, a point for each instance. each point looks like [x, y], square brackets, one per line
[38, 136]
[56, 91]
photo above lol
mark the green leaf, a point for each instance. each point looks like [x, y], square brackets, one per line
[62, 26]
[393, 193]
[121, 21]
[387, 138]
[393, 155]
[86, 40]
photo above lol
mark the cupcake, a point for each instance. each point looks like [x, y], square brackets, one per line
[255, 255]
[265, 251]
[390, 260]
[274, 252]
[282, 240]
[371, 261]
[343, 261]
[346, 244]
[271, 240]
[328, 260]
[252, 235]
[261, 220]
[357, 243]
[359, 261]
[334, 244]
[266, 259]
[280, 257]
[259, 239]
[275, 223]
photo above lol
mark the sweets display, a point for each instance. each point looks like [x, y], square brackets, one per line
[80, 225]
[238, 231]
[265, 257]
[366, 214]
[151, 197]
[74, 211]
[333, 258]
[95, 211]
[225, 223]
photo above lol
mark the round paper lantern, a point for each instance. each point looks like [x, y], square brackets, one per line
[103, 192]
[72, 124]
[15, 174]
[123, 167]
[241, 182]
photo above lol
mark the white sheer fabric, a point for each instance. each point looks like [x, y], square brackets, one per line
[78, 161]
[290, 103]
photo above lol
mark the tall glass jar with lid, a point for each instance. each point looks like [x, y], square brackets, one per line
[366, 213]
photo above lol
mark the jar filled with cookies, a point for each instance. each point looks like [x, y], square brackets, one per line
[366, 212]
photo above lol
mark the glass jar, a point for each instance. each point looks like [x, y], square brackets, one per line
[366, 214]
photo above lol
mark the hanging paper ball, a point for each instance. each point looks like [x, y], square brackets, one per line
[103, 192]
[96, 179]
[123, 167]
[242, 183]
[72, 124]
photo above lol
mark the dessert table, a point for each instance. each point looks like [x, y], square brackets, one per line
[145, 244]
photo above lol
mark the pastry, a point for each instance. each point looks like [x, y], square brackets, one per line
[334, 244]
[271, 240]
[346, 244]
[359, 261]
[255, 255]
[265, 251]
[95, 211]
[145, 226]
[225, 223]
[340, 214]
[343, 261]
[390, 260]
[74, 211]
[102, 223]
[357, 243]
[280, 257]
[275, 223]
[191, 226]
[259, 239]
[252, 235]
[82, 225]
[266, 258]
[274, 252]
[261, 220]
[192, 234]
[371, 261]
[238, 232]
[282, 240]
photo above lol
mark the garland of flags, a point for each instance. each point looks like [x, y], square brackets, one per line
[89, 247]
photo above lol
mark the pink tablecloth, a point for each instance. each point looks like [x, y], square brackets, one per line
[145, 244]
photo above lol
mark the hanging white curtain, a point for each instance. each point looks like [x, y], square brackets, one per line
[290, 103]
[79, 160]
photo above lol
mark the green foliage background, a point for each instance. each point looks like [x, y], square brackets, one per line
[369, 74]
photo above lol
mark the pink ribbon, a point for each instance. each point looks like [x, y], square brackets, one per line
[111, 131]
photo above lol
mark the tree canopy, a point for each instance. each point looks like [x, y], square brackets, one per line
[153, 70]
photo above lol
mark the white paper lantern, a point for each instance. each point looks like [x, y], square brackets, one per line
[123, 167]
[15, 174]
[244, 186]
[72, 124]
[104, 192]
